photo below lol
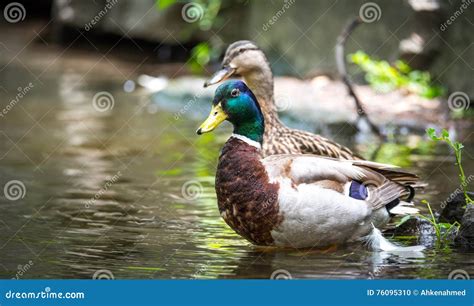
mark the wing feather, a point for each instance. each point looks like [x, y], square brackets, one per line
[386, 183]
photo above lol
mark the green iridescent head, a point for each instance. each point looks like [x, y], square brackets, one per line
[235, 102]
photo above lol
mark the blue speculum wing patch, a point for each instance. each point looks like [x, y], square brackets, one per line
[358, 191]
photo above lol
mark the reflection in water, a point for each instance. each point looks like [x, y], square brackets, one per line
[107, 190]
[91, 207]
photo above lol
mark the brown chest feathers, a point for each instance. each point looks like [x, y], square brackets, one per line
[247, 201]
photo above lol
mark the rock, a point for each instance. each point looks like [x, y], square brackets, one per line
[418, 227]
[453, 208]
[454, 211]
[465, 237]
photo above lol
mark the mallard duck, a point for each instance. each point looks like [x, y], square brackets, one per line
[244, 58]
[297, 200]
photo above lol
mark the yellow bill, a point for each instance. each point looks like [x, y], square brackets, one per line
[216, 117]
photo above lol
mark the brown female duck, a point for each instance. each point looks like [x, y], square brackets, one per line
[244, 58]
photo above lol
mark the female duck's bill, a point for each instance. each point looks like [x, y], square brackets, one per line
[240, 56]
[223, 74]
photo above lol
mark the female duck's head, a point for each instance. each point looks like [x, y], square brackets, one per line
[235, 102]
[244, 58]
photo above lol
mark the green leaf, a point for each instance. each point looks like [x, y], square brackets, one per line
[145, 268]
[402, 66]
[403, 220]
[432, 134]
[384, 77]
[445, 134]
[445, 225]
[200, 57]
[170, 172]
[164, 4]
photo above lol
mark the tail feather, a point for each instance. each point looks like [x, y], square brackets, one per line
[404, 208]
[377, 242]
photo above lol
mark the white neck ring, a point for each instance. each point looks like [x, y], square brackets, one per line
[247, 140]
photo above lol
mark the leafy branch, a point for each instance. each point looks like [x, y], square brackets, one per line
[457, 147]
[442, 229]
[384, 77]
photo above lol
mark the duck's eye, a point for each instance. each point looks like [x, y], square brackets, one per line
[235, 92]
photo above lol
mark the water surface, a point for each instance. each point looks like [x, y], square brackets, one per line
[130, 191]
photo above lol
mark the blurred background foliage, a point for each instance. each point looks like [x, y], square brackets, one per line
[384, 77]
[199, 31]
